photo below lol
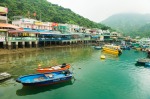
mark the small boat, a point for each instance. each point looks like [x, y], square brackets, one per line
[62, 67]
[111, 49]
[45, 78]
[125, 47]
[98, 47]
[143, 61]
[4, 76]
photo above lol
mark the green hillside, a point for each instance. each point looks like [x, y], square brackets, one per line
[145, 30]
[129, 23]
[47, 11]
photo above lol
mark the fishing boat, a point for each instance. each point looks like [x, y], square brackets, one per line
[45, 78]
[111, 49]
[143, 61]
[4, 76]
[62, 67]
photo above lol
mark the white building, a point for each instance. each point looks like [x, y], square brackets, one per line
[3, 15]
[32, 24]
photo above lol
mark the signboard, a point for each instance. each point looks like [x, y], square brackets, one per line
[38, 23]
[2, 38]
[54, 24]
[3, 10]
[101, 38]
[27, 21]
[45, 23]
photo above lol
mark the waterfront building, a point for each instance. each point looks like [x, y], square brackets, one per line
[73, 28]
[63, 28]
[31, 24]
[22, 39]
[4, 27]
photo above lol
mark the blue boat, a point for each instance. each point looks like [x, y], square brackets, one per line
[45, 78]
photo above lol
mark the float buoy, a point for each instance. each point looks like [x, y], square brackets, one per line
[102, 57]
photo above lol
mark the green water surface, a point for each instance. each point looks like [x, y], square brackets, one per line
[112, 78]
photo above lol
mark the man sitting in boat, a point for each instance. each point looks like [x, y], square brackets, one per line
[148, 54]
[63, 65]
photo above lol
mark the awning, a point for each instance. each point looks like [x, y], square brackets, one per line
[9, 26]
[23, 31]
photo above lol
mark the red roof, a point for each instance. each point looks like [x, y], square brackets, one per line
[4, 25]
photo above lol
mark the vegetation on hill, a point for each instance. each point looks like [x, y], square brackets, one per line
[132, 24]
[47, 12]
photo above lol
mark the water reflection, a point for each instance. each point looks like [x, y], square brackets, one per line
[26, 90]
[7, 82]
[26, 63]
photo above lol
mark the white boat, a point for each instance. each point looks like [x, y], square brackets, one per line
[4, 76]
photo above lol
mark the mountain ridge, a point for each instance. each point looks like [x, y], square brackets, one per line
[128, 23]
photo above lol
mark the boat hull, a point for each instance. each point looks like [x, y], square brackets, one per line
[51, 69]
[110, 51]
[42, 79]
[48, 82]
[115, 50]
[98, 47]
[143, 61]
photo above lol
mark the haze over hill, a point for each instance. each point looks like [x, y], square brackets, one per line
[130, 23]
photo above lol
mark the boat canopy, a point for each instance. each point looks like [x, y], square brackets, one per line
[112, 46]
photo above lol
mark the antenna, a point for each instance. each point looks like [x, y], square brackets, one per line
[40, 16]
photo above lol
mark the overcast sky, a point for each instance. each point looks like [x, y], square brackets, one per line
[98, 10]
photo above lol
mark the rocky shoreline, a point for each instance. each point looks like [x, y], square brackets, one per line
[13, 51]
[22, 50]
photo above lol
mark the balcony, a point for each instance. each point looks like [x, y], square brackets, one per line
[3, 17]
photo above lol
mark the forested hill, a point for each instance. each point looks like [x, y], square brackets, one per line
[133, 24]
[49, 12]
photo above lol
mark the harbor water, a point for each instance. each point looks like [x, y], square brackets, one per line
[115, 77]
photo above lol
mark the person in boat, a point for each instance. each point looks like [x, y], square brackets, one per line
[148, 54]
[39, 66]
[120, 51]
[63, 65]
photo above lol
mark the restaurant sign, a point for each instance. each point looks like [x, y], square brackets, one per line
[38, 23]
[27, 21]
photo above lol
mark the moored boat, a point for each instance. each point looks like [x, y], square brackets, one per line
[98, 47]
[45, 78]
[62, 67]
[143, 61]
[4, 76]
[111, 49]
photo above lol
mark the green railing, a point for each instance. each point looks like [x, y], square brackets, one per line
[22, 39]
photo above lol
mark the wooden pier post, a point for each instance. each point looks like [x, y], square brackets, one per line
[9, 45]
[16, 45]
[23, 44]
[4, 45]
[30, 44]
[36, 44]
